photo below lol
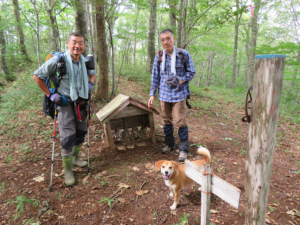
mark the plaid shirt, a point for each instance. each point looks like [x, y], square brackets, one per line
[168, 94]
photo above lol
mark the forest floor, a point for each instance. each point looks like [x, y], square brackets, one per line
[124, 187]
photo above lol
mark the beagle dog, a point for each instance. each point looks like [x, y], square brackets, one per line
[175, 177]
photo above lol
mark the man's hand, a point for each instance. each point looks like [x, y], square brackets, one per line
[90, 86]
[55, 98]
[181, 82]
[150, 102]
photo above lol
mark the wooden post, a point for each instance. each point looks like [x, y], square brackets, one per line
[262, 134]
[205, 195]
[109, 135]
[151, 124]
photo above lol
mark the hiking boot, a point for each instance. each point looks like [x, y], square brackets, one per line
[68, 166]
[182, 156]
[166, 150]
[76, 160]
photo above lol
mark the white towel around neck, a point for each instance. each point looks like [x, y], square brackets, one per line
[173, 61]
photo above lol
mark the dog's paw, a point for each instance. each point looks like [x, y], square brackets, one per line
[171, 195]
[173, 207]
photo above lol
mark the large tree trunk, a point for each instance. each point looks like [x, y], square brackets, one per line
[151, 36]
[179, 22]
[184, 33]
[102, 89]
[236, 36]
[20, 30]
[254, 29]
[4, 67]
[53, 27]
[172, 16]
[81, 22]
[135, 34]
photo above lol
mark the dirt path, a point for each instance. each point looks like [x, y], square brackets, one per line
[26, 154]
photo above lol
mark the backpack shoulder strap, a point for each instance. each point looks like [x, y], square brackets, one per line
[183, 60]
[160, 54]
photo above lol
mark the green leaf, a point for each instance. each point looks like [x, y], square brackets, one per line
[228, 139]
[271, 209]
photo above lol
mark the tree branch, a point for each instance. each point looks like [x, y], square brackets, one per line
[201, 16]
[203, 33]
[28, 20]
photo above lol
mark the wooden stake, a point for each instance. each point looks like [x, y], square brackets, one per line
[205, 196]
[262, 134]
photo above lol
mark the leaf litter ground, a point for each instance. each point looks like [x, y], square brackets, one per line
[124, 187]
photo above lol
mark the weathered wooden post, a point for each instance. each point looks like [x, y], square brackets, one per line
[262, 134]
[205, 195]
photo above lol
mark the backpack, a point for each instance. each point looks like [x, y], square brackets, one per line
[183, 61]
[48, 105]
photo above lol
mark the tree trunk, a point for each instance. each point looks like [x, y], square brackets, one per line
[172, 16]
[134, 41]
[20, 30]
[53, 26]
[37, 31]
[254, 29]
[262, 135]
[151, 36]
[92, 30]
[179, 22]
[236, 36]
[4, 67]
[102, 89]
[184, 33]
[81, 22]
[211, 56]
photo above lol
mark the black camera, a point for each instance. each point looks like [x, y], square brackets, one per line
[90, 65]
[61, 67]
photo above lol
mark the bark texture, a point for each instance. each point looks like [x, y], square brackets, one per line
[262, 136]
[102, 88]
[81, 22]
[20, 30]
[53, 27]
[172, 16]
[254, 31]
[179, 23]
[4, 67]
[236, 37]
[151, 36]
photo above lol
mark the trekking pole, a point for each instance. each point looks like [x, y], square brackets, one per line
[88, 131]
[53, 140]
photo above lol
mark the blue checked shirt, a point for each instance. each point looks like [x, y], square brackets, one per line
[169, 94]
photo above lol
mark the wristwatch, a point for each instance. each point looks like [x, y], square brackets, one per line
[91, 82]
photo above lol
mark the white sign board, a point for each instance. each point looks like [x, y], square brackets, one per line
[220, 187]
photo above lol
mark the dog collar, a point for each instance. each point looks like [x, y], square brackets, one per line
[171, 176]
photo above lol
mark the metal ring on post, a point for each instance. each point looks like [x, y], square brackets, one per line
[247, 117]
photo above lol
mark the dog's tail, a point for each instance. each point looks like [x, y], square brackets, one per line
[205, 152]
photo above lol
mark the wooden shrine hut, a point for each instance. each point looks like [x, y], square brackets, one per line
[124, 113]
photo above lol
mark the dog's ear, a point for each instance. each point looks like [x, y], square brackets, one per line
[158, 164]
[176, 165]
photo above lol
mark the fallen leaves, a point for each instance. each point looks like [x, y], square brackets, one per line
[141, 192]
[121, 185]
[293, 212]
[135, 168]
[39, 179]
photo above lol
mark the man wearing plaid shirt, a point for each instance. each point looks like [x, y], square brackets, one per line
[172, 80]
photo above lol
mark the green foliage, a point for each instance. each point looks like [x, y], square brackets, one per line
[108, 201]
[2, 186]
[20, 200]
[183, 220]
